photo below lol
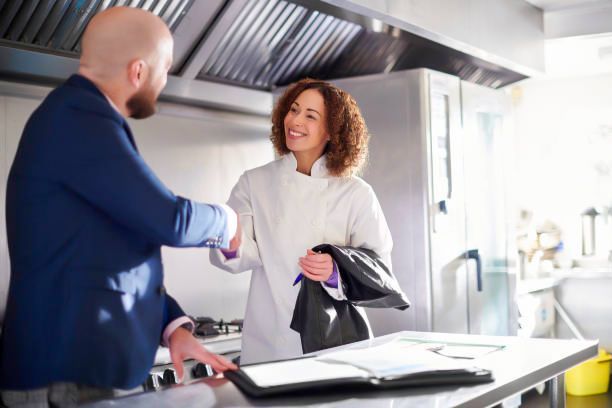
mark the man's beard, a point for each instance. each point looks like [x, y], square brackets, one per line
[142, 104]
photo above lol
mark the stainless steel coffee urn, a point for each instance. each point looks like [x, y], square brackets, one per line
[588, 231]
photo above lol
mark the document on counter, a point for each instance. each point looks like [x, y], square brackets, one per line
[466, 351]
[399, 363]
[398, 358]
[455, 350]
[299, 371]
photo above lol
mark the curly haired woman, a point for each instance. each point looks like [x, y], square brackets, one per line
[309, 196]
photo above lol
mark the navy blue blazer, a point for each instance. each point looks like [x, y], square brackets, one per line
[86, 219]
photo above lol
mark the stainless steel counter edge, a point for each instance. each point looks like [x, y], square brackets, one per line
[490, 398]
[582, 273]
[522, 364]
[535, 285]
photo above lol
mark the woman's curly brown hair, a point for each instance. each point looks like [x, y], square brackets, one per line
[347, 149]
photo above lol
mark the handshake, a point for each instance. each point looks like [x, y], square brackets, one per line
[237, 239]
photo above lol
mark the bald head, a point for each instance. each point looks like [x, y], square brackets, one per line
[127, 53]
[119, 35]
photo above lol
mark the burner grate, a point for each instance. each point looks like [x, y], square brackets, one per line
[206, 326]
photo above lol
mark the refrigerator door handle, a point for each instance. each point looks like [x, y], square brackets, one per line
[442, 207]
[475, 255]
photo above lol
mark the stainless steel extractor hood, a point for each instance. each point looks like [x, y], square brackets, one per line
[231, 53]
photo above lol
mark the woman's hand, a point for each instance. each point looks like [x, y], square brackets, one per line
[236, 241]
[316, 267]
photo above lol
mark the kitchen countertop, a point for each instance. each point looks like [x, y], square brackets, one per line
[523, 363]
[535, 285]
[582, 273]
[556, 276]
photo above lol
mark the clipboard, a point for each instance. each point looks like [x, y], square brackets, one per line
[339, 376]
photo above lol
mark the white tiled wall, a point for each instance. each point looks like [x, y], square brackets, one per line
[4, 269]
[13, 116]
[563, 149]
[202, 160]
[15, 113]
[199, 157]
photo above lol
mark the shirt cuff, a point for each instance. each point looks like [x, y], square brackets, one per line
[229, 254]
[335, 292]
[173, 325]
[232, 220]
[332, 282]
[220, 256]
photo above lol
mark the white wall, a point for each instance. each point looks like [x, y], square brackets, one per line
[587, 19]
[3, 250]
[564, 149]
[16, 113]
[202, 160]
[200, 157]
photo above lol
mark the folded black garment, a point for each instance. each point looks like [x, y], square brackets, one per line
[324, 322]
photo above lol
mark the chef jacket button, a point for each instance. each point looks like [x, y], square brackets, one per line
[161, 290]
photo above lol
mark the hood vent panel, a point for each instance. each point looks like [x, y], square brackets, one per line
[58, 25]
[267, 43]
[257, 44]
[274, 42]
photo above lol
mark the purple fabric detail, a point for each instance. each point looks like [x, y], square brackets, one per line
[332, 282]
[230, 254]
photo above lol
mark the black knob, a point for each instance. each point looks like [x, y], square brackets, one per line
[201, 370]
[170, 377]
[238, 323]
[152, 382]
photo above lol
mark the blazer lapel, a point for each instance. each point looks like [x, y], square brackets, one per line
[128, 131]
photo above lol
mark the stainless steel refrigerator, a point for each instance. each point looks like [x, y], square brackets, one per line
[438, 164]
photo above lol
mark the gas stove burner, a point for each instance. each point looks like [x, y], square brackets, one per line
[238, 323]
[206, 329]
[206, 326]
[203, 319]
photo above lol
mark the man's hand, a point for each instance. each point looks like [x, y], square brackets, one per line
[317, 267]
[183, 345]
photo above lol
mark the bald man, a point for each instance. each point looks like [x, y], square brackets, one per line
[86, 218]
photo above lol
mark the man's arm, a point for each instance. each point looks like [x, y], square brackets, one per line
[174, 317]
[183, 345]
[110, 175]
[246, 253]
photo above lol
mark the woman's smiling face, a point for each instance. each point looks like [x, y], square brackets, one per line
[305, 123]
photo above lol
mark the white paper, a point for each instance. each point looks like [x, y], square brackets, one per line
[398, 358]
[299, 371]
[467, 351]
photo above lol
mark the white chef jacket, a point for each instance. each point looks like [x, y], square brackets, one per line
[283, 213]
